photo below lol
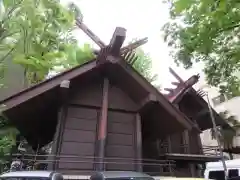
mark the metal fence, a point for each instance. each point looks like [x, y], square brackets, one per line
[211, 150]
[149, 166]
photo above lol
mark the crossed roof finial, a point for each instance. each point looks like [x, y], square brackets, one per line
[115, 46]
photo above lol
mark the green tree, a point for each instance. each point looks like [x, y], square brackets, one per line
[36, 34]
[226, 134]
[7, 140]
[143, 64]
[207, 31]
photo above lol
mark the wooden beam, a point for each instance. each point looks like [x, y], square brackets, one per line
[117, 40]
[46, 85]
[199, 144]
[62, 114]
[133, 46]
[139, 143]
[102, 128]
[192, 169]
[130, 47]
[169, 144]
[186, 141]
[90, 34]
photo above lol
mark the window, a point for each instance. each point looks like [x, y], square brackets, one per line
[218, 100]
[232, 173]
[218, 175]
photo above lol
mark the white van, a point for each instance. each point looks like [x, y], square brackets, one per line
[214, 170]
[31, 175]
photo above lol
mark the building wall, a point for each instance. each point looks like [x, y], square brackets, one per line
[232, 106]
[79, 143]
[120, 145]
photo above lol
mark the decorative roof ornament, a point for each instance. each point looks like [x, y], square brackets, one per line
[114, 47]
[175, 94]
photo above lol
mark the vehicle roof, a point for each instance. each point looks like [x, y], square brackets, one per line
[122, 174]
[182, 178]
[229, 164]
[27, 173]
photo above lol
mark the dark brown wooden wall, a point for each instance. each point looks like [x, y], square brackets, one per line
[81, 126]
[176, 143]
[79, 138]
[88, 95]
[121, 140]
[194, 143]
[80, 129]
[119, 100]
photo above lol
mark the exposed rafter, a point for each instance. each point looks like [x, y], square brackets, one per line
[117, 40]
[175, 94]
[90, 34]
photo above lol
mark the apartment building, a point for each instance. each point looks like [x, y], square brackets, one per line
[221, 103]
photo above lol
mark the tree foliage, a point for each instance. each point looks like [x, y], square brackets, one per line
[227, 134]
[36, 34]
[143, 65]
[207, 31]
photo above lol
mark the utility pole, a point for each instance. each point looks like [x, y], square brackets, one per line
[216, 132]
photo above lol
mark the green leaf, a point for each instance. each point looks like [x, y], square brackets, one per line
[181, 5]
[206, 31]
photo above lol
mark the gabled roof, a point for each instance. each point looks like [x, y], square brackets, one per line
[191, 97]
[42, 87]
[38, 101]
[34, 111]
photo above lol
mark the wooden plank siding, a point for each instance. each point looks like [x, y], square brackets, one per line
[120, 146]
[79, 139]
[81, 128]
[195, 147]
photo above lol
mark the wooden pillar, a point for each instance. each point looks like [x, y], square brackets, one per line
[102, 128]
[52, 159]
[169, 144]
[200, 144]
[186, 142]
[188, 151]
[138, 143]
[192, 169]
[62, 114]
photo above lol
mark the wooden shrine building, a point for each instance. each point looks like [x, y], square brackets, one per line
[103, 115]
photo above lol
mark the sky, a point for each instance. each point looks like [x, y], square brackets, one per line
[141, 18]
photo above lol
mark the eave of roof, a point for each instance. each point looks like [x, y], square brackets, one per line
[219, 120]
[160, 97]
[46, 85]
[191, 157]
[53, 83]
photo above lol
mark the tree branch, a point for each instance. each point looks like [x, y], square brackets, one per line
[228, 28]
[11, 11]
[6, 55]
